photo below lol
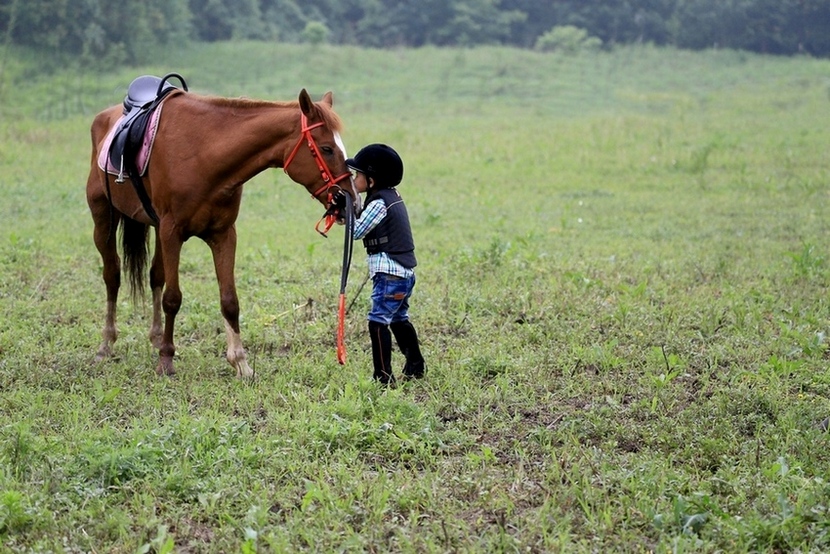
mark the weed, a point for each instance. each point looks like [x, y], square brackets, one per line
[15, 516]
[807, 262]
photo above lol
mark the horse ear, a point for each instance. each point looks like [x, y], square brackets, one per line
[306, 104]
[328, 98]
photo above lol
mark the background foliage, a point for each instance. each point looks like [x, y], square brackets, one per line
[132, 30]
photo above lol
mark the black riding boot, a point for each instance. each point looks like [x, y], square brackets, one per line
[382, 353]
[407, 339]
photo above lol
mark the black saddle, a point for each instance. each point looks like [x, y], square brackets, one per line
[145, 89]
[144, 95]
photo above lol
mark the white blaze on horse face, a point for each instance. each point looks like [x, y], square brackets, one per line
[358, 202]
[339, 142]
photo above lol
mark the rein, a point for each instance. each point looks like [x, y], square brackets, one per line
[330, 217]
[348, 247]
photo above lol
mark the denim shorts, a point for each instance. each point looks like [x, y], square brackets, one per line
[390, 298]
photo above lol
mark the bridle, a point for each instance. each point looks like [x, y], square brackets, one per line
[329, 180]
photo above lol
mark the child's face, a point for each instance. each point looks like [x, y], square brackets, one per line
[361, 183]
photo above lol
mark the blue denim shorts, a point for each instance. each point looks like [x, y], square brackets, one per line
[390, 298]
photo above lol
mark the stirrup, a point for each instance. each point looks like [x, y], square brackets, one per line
[120, 177]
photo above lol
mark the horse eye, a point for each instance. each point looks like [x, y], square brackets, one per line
[328, 150]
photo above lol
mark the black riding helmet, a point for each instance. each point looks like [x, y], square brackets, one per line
[380, 162]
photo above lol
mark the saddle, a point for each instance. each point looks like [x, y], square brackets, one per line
[144, 95]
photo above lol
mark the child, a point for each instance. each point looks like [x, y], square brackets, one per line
[387, 237]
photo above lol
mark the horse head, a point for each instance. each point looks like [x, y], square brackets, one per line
[321, 166]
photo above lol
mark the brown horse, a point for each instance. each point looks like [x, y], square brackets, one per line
[205, 149]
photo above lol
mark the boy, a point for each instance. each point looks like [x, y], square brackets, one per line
[387, 237]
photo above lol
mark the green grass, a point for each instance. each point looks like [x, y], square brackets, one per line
[622, 298]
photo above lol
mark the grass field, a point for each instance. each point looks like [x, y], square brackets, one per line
[622, 297]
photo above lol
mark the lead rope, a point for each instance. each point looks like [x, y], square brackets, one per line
[348, 247]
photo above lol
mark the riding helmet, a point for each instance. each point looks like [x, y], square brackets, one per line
[380, 162]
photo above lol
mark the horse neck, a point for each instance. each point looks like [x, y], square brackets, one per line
[249, 136]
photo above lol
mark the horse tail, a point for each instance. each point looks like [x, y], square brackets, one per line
[134, 245]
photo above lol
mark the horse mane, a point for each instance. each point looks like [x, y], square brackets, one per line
[327, 114]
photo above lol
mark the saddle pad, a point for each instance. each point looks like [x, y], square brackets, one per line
[143, 156]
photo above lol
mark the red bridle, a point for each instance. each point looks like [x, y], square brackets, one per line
[329, 180]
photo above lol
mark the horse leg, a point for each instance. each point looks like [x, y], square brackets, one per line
[171, 299]
[223, 247]
[105, 240]
[157, 286]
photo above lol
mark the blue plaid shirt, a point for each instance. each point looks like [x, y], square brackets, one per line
[372, 215]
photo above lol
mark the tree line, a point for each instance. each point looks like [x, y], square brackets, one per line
[102, 31]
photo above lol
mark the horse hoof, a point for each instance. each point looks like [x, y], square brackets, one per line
[165, 369]
[244, 371]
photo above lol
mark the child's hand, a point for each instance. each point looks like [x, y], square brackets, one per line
[339, 199]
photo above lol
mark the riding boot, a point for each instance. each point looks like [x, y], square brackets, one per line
[407, 339]
[382, 353]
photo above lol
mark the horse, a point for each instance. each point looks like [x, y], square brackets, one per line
[204, 150]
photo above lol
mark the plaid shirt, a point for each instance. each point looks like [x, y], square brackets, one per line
[372, 215]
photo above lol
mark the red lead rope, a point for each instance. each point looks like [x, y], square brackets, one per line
[329, 182]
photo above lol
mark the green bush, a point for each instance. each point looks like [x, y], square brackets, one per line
[315, 32]
[567, 39]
